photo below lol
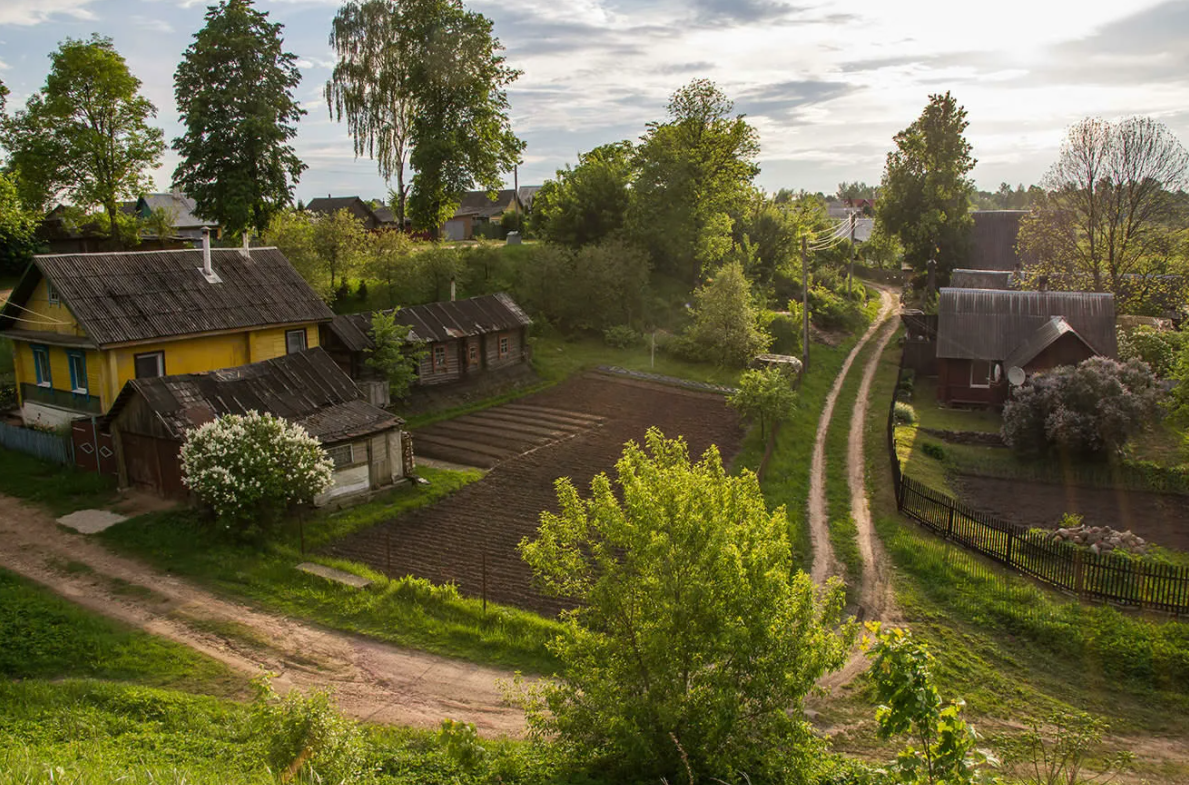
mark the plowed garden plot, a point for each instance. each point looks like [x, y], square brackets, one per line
[485, 438]
[482, 524]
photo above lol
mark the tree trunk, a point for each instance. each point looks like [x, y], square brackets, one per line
[400, 195]
[114, 231]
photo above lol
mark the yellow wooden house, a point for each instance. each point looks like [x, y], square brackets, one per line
[84, 324]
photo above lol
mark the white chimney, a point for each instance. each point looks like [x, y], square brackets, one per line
[208, 272]
[451, 290]
[247, 249]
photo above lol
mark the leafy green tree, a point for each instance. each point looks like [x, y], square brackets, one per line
[159, 224]
[765, 395]
[925, 194]
[17, 227]
[370, 88]
[338, 240]
[726, 322]
[694, 171]
[394, 355]
[86, 132]
[693, 639]
[388, 259]
[234, 91]
[292, 232]
[589, 202]
[460, 131]
[942, 745]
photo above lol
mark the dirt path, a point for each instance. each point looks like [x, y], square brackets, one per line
[371, 680]
[824, 563]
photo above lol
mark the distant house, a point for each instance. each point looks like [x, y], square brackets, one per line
[527, 194]
[150, 419]
[983, 334]
[982, 279]
[478, 209]
[83, 325]
[372, 218]
[993, 240]
[464, 339]
[186, 225]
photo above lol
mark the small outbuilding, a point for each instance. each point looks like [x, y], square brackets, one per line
[983, 334]
[151, 417]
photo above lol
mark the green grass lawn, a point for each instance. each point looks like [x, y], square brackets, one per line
[62, 489]
[407, 612]
[556, 359]
[947, 418]
[1011, 648]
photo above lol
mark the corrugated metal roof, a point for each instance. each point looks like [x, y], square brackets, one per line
[480, 204]
[981, 279]
[144, 295]
[179, 205]
[435, 322]
[1045, 336]
[307, 388]
[985, 324]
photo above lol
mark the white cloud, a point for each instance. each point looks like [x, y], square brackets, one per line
[33, 12]
[151, 24]
[4, 66]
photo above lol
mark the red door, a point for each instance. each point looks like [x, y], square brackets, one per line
[94, 450]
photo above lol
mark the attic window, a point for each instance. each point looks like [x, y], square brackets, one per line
[51, 293]
[295, 341]
[150, 365]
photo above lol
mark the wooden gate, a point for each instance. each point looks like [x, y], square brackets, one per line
[153, 464]
[94, 450]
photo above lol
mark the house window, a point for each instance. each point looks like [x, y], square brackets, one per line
[51, 294]
[505, 346]
[342, 455]
[41, 365]
[473, 354]
[295, 341]
[980, 373]
[439, 358]
[150, 364]
[78, 372]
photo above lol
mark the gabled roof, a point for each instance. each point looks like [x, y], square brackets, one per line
[480, 205]
[435, 322]
[985, 324]
[1045, 336]
[179, 205]
[352, 204]
[981, 279]
[527, 193]
[306, 388]
[144, 295]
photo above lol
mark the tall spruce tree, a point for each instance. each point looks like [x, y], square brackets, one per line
[234, 90]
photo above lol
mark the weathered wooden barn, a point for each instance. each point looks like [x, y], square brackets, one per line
[982, 334]
[150, 418]
[464, 339]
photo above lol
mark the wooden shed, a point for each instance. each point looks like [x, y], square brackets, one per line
[150, 418]
[463, 339]
[982, 334]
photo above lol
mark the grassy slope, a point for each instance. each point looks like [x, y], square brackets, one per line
[61, 489]
[1012, 649]
[407, 612]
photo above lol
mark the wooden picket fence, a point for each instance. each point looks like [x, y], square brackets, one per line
[47, 446]
[1105, 577]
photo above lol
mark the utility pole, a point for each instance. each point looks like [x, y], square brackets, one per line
[851, 271]
[804, 303]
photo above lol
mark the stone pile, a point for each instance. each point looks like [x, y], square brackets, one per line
[1101, 539]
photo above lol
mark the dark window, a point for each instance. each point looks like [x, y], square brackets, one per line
[150, 365]
[439, 357]
[342, 455]
[78, 372]
[505, 345]
[41, 365]
[980, 373]
[473, 354]
[295, 341]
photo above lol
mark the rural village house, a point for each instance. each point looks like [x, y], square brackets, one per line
[186, 225]
[478, 208]
[83, 325]
[982, 334]
[150, 418]
[464, 339]
[373, 218]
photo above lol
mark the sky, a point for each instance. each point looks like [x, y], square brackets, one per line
[826, 84]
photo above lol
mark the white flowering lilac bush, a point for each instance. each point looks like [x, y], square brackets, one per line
[1089, 409]
[249, 469]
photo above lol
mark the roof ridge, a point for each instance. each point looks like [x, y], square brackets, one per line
[154, 250]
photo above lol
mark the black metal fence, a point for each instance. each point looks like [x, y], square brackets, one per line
[1108, 577]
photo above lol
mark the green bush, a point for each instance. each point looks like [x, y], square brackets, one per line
[785, 330]
[622, 336]
[1158, 348]
[306, 735]
[832, 311]
[933, 450]
[904, 413]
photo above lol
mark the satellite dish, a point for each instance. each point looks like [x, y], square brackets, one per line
[1015, 375]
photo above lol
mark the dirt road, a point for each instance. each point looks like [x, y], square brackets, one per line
[370, 680]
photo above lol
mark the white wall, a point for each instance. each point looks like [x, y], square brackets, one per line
[46, 416]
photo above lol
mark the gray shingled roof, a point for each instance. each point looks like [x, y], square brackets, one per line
[306, 388]
[434, 322]
[144, 295]
[1045, 336]
[478, 203]
[180, 206]
[981, 279]
[985, 324]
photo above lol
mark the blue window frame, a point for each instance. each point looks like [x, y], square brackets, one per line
[41, 365]
[78, 372]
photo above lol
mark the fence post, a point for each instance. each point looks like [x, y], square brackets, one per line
[1010, 535]
[949, 528]
[1078, 573]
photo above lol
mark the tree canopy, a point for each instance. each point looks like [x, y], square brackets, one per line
[694, 638]
[726, 322]
[85, 133]
[234, 90]
[925, 193]
[589, 202]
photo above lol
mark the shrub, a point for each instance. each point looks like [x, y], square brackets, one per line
[305, 736]
[361, 293]
[622, 336]
[249, 469]
[831, 311]
[765, 395]
[726, 324]
[1089, 409]
[904, 413]
[786, 331]
[1158, 348]
[933, 450]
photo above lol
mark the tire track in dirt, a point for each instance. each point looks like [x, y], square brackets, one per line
[370, 680]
